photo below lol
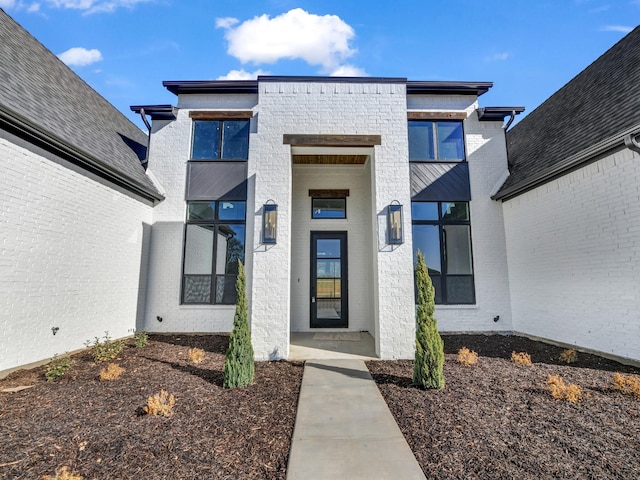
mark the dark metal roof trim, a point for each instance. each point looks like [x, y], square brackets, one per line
[450, 88]
[569, 164]
[490, 114]
[156, 112]
[324, 79]
[178, 87]
[26, 130]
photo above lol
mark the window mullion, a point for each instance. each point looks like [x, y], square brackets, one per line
[220, 138]
[214, 260]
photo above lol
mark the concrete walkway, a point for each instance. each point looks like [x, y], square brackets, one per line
[344, 429]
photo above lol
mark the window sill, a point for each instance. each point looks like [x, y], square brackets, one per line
[457, 307]
[200, 306]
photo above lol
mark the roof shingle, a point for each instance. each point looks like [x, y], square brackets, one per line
[40, 88]
[600, 102]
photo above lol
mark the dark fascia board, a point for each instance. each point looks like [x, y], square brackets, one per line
[32, 133]
[586, 156]
[178, 87]
[448, 88]
[315, 79]
[156, 112]
[489, 114]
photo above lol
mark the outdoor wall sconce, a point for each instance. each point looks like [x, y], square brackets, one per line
[269, 222]
[394, 223]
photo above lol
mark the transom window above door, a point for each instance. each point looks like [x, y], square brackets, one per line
[328, 204]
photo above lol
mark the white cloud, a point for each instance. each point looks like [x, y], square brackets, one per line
[78, 56]
[297, 34]
[226, 22]
[7, 3]
[616, 28]
[33, 8]
[349, 71]
[242, 75]
[497, 57]
[94, 6]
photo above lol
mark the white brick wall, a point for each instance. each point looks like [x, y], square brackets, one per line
[278, 302]
[330, 108]
[357, 179]
[169, 152]
[574, 254]
[70, 256]
[486, 155]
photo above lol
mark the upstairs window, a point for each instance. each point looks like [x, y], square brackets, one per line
[220, 140]
[436, 141]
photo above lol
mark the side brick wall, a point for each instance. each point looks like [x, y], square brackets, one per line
[71, 249]
[574, 254]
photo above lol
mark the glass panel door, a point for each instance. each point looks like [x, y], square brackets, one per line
[329, 280]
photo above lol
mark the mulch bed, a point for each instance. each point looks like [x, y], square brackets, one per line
[98, 429]
[497, 419]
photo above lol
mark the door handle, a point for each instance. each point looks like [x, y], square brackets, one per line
[313, 299]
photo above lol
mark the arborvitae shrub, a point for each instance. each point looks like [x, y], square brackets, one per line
[238, 364]
[429, 360]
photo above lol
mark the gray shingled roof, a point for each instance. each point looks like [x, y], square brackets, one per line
[41, 90]
[600, 102]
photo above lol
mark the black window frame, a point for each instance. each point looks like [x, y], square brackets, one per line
[220, 148]
[441, 223]
[215, 224]
[435, 140]
[313, 199]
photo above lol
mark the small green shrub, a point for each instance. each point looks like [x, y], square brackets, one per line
[239, 368]
[141, 337]
[106, 349]
[57, 367]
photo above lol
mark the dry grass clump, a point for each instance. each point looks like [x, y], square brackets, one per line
[628, 384]
[63, 473]
[111, 372]
[521, 358]
[467, 357]
[195, 355]
[160, 404]
[568, 356]
[559, 390]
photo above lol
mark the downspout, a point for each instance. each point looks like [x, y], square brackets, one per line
[631, 143]
[512, 117]
[145, 162]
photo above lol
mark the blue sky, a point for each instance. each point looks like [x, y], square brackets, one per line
[125, 48]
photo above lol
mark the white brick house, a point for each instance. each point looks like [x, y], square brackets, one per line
[325, 188]
[333, 154]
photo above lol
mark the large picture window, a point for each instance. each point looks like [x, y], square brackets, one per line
[436, 141]
[220, 140]
[442, 232]
[213, 246]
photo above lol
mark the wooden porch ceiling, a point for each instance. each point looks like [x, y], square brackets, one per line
[329, 159]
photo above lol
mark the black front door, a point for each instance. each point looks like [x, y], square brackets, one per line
[329, 280]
